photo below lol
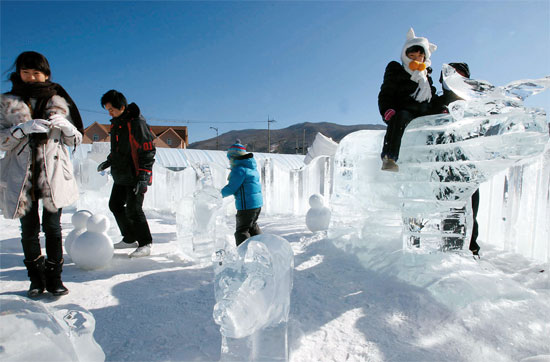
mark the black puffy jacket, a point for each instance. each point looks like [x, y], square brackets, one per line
[132, 150]
[395, 92]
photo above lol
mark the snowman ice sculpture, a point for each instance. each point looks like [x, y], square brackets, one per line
[79, 220]
[318, 217]
[93, 249]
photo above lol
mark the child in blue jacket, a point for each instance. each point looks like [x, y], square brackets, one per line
[244, 184]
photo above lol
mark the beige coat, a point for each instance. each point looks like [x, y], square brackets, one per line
[56, 181]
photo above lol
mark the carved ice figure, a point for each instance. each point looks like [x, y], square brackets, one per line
[252, 288]
[196, 218]
[33, 331]
[93, 249]
[443, 159]
[318, 217]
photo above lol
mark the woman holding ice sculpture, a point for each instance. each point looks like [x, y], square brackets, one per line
[244, 184]
[38, 120]
[405, 94]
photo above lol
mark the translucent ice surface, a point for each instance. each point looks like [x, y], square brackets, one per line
[31, 331]
[196, 218]
[252, 289]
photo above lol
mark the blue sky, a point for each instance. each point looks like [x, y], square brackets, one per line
[231, 65]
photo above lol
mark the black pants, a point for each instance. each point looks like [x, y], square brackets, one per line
[30, 229]
[475, 206]
[394, 133]
[126, 206]
[247, 224]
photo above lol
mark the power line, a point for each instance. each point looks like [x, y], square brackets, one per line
[172, 120]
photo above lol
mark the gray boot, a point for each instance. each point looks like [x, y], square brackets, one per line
[35, 270]
[54, 284]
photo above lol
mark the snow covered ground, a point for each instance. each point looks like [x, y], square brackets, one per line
[386, 305]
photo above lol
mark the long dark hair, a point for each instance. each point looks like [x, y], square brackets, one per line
[30, 60]
[42, 91]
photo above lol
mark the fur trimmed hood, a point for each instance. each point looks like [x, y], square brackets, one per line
[44, 170]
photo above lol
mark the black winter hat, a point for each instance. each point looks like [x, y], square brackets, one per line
[461, 67]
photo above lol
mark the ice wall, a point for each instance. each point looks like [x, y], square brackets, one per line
[286, 184]
[514, 212]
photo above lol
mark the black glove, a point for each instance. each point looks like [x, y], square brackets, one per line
[103, 165]
[144, 180]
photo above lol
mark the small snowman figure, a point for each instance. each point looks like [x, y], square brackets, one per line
[78, 219]
[318, 217]
[93, 249]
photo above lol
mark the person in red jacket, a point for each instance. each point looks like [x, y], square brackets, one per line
[131, 161]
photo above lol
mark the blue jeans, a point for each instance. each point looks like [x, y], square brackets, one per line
[51, 226]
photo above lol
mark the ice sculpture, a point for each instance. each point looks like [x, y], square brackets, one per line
[443, 160]
[318, 217]
[252, 288]
[196, 218]
[322, 146]
[93, 249]
[79, 220]
[32, 331]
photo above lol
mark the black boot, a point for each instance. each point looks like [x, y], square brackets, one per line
[35, 269]
[54, 284]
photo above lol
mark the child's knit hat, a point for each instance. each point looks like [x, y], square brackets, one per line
[236, 150]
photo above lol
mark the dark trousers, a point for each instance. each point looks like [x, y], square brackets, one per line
[30, 229]
[126, 206]
[394, 133]
[475, 206]
[247, 224]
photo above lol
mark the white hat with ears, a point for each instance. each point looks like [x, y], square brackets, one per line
[413, 40]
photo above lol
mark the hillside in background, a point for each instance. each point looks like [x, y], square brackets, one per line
[288, 140]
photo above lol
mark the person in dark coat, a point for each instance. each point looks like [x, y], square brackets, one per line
[443, 101]
[131, 162]
[244, 184]
[406, 93]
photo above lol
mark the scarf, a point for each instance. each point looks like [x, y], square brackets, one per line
[424, 91]
[42, 92]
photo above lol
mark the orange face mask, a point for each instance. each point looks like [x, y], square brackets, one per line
[414, 65]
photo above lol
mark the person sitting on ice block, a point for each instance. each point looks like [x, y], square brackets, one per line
[405, 94]
[244, 184]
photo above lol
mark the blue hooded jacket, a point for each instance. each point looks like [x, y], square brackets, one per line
[244, 183]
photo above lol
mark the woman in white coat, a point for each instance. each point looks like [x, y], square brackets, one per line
[38, 123]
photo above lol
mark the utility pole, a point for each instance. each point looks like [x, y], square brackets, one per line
[269, 135]
[304, 143]
[217, 139]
